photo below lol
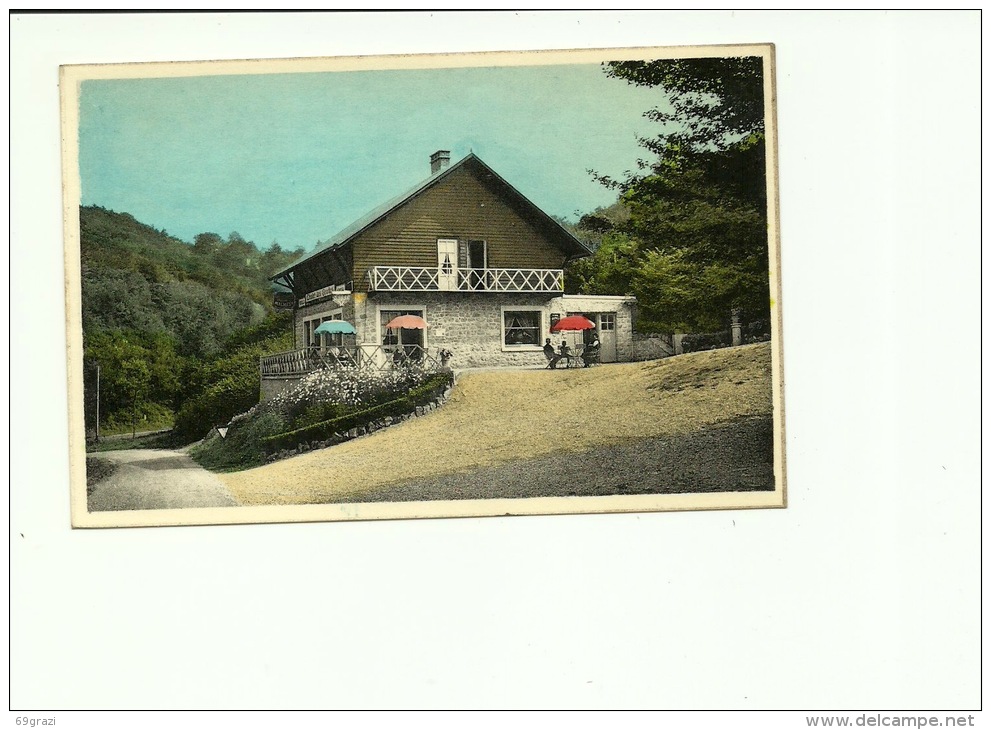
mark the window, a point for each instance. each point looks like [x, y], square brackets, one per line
[521, 328]
[390, 337]
[311, 339]
[607, 322]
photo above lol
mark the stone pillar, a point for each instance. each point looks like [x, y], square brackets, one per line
[736, 327]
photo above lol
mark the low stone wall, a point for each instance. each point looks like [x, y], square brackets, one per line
[650, 346]
[272, 385]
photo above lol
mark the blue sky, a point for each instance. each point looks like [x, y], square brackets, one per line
[294, 158]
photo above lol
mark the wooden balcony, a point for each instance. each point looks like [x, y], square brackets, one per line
[412, 278]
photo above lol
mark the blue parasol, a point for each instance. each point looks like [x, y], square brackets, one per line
[335, 327]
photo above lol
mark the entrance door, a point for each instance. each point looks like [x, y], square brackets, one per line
[447, 264]
[607, 337]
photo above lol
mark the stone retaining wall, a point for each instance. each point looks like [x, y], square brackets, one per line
[648, 346]
[273, 385]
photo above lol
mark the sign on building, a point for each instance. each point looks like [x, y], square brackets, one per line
[283, 300]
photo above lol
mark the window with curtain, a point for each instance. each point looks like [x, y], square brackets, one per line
[521, 327]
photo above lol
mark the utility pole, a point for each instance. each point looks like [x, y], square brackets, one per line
[98, 403]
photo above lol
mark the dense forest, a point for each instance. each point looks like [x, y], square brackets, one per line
[175, 328]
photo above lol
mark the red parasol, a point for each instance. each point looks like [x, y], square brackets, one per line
[407, 322]
[575, 323]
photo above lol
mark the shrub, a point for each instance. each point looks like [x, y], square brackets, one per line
[149, 417]
[708, 341]
[349, 388]
[324, 403]
[219, 390]
[241, 449]
[215, 406]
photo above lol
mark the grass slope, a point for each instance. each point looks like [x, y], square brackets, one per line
[499, 417]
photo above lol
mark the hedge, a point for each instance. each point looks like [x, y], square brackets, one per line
[418, 396]
[707, 341]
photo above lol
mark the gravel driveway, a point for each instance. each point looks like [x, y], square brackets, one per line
[736, 456]
[510, 423]
[156, 479]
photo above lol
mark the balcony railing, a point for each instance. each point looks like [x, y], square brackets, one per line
[413, 278]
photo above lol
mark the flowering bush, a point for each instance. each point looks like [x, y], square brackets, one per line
[333, 393]
[397, 407]
[319, 408]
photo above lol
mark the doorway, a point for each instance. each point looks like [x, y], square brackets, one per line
[476, 264]
[607, 336]
[447, 257]
[393, 339]
[605, 327]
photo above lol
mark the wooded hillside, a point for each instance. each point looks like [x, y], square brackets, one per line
[169, 321]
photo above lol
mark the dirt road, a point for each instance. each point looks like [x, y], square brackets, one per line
[156, 479]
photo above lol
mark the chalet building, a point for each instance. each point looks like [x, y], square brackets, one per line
[469, 254]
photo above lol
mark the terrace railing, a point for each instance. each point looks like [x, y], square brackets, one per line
[297, 363]
[413, 278]
[291, 362]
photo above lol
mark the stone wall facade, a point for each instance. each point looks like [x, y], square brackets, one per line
[621, 307]
[340, 301]
[471, 324]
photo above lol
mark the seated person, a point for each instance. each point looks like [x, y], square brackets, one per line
[552, 357]
[591, 352]
[565, 350]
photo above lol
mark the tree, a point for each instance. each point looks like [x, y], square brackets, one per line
[696, 236]
[207, 244]
[715, 102]
[125, 375]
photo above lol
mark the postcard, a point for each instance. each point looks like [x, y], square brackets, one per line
[423, 286]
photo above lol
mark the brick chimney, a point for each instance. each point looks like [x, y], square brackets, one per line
[439, 160]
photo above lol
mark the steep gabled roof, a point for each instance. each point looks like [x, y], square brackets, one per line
[571, 245]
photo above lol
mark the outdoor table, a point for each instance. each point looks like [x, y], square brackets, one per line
[574, 358]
